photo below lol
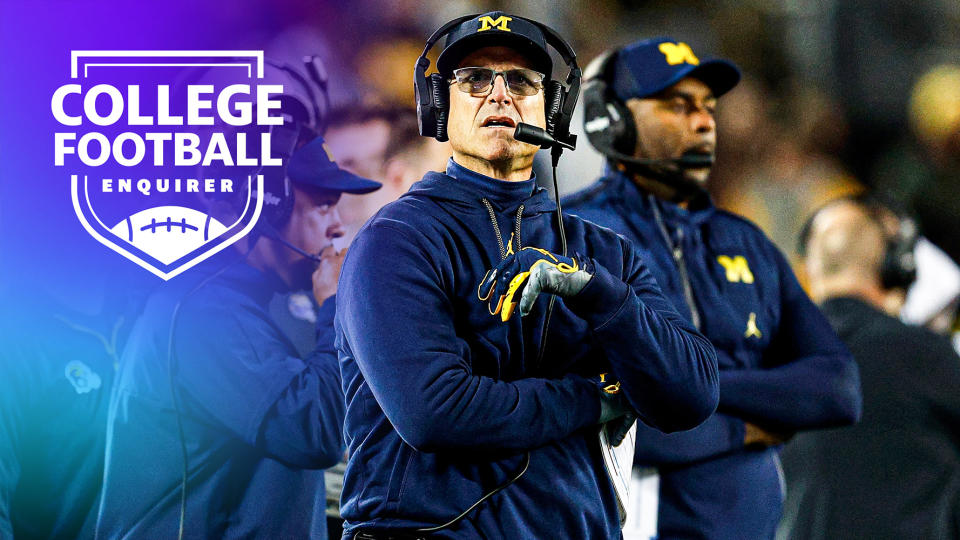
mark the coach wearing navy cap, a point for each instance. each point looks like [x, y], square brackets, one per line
[471, 411]
[649, 108]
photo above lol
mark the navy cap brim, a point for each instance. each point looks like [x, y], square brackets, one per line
[718, 74]
[311, 165]
[339, 180]
[452, 55]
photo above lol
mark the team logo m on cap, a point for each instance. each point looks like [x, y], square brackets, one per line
[500, 23]
[678, 53]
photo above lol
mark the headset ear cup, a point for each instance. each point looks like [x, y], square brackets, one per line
[607, 122]
[278, 197]
[285, 208]
[899, 267]
[441, 104]
[624, 130]
[553, 101]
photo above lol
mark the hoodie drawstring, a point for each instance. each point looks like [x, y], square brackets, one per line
[496, 228]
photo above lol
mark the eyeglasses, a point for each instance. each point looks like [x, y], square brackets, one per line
[479, 80]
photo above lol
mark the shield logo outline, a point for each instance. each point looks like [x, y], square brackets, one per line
[102, 233]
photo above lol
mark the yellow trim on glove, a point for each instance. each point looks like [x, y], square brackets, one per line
[517, 282]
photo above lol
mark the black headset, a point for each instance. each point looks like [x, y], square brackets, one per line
[898, 270]
[607, 120]
[302, 121]
[611, 130]
[433, 92]
[304, 118]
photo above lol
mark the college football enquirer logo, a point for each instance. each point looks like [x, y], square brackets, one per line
[149, 148]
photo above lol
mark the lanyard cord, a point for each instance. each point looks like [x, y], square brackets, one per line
[526, 458]
[677, 252]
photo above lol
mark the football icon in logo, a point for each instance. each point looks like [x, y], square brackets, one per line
[167, 239]
[168, 232]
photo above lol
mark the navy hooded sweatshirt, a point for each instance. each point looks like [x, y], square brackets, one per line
[259, 422]
[444, 399]
[782, 366]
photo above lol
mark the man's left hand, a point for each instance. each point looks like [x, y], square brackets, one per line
[530, 272]
[327, 273]
[615, 413]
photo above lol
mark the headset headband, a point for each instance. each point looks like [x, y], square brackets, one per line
[315, 71]
[553, 39]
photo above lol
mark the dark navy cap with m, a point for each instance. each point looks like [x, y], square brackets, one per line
[495, 29]
[312, 165]
[651, 66]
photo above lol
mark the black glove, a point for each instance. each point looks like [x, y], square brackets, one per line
[615, 413]
[534, 270]
[618, 428]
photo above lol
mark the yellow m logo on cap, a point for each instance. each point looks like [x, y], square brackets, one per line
[678, 53]
[500, 23]
[737, 268]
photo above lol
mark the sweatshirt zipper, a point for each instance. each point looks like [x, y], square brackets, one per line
[677, 252]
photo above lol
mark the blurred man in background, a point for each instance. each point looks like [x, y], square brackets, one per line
[649, 107]
[897, 474]
[372, 141]
[384, 144]
[59, 349]
[217, 426]
[381, 143]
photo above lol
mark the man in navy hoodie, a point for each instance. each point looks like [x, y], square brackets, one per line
[217, 427]
[449, 395]
[650, 108]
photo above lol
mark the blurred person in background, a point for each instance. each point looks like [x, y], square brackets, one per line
[896, 474]
[382, 143]
[59, 350]
[923, 174]
[217, 426]
[650, 108]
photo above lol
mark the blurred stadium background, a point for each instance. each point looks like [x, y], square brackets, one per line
[837, 96]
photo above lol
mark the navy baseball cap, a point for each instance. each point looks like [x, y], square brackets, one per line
[313, 165]
[651, 66]
[495, 29]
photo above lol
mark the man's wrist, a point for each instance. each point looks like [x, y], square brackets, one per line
[587, 409]
[738, 431]
[600, 299]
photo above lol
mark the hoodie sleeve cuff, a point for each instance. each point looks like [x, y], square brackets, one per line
[601, 299]
[325, 315]
[738, 431]
[327, 311]
[589, 396]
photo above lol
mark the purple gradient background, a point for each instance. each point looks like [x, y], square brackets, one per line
[41, 238]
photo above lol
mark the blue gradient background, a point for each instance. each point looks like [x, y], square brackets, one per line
[41, 239]
[49, 264]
